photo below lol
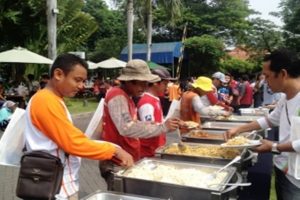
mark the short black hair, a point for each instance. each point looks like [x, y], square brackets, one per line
[284, 59]
[66, 62]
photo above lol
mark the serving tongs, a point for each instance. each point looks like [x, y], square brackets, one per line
[215, 173]
[180, 144]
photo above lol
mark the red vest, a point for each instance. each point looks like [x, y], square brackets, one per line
[248, 96]
[149, 145]
[110, 132]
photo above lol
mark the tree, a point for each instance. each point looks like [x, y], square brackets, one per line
[237, 66]
[291, 17]
[204, 54]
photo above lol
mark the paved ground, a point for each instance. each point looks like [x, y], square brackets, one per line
[90, 179]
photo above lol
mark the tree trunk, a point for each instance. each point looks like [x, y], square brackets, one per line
[130, 27]
[52, 12]
[149, 30]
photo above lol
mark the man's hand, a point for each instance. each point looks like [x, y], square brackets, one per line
[172, 124]
[231, 133]
[125, 158]
[266, 146]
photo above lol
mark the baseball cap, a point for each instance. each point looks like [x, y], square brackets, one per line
[220, 76]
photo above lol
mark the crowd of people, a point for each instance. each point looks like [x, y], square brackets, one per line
[133, 118]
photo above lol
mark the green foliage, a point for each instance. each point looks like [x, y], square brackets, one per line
[237, 66]
[291, 17]
[204, 53]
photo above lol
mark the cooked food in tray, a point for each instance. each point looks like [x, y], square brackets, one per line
[187, 176]
[241, 141]
[191, 124]
[238, 140]
[203, 151]
[204, 134]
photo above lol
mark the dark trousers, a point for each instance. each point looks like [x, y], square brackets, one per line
[285, 190]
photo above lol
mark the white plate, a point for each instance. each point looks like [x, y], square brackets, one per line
[252, 143]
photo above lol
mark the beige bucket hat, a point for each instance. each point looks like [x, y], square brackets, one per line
[137, 69]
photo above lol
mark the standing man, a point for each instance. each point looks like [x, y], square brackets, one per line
[150, 109]
[282, 73]
[120, 123]
[49, 125]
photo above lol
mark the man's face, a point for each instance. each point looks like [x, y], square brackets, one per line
[68, 85]
[275, 81]
[136, 88]
[217, 83]
[162, 86]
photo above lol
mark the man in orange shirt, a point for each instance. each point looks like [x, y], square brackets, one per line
[49, 125]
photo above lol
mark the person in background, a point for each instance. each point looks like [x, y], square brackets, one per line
[245, 93]
[212, 97]
[282, 73]
[258, 90]
[150, 109]
[270, 99]
[6, 112]
[2, 91]
[33, 86]
[191, 105]
[120, 123]
[49, 125]
[44, 80]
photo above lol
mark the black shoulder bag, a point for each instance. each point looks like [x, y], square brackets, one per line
[40, 176]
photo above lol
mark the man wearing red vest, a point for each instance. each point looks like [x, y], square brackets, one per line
[120, 124]
[150, 109]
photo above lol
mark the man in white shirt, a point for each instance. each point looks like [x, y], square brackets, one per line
[282, 72]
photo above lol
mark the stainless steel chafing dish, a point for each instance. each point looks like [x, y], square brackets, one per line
[235, 118]
[197, 152]
[100, 195]
[254, 111]
[220, 125]
[177, 180]
[208, 136]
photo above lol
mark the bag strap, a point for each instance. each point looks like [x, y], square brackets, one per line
[287, 114]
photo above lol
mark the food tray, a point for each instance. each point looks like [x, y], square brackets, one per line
[220, 125]
[158, 188]
[201, 157]
[100, 195]
[254, 111]
[208, 136]
[236, 118]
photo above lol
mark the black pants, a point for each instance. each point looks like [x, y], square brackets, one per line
[107, 169]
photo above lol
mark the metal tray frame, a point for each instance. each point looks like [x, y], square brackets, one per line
[174, 191]
[198, 159]
[214, 125]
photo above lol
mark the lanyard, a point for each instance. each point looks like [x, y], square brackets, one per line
[287, 114]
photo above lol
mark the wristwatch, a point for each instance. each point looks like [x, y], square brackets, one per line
[274, 148]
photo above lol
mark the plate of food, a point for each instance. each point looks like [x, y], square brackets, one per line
[241, 142]
[191, 124]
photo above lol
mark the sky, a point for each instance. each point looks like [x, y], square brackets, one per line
[266, 6]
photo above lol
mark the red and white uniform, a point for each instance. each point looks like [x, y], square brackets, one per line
[149, 109]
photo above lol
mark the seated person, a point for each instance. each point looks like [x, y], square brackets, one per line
[6, 112]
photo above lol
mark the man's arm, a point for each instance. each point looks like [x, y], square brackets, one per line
[129, 127]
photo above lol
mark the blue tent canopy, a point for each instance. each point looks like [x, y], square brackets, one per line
[162, 53]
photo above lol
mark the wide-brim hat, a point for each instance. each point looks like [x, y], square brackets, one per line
[137, 69]
[204, 83]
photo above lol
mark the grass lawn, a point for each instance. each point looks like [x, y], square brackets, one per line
[77, 105]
